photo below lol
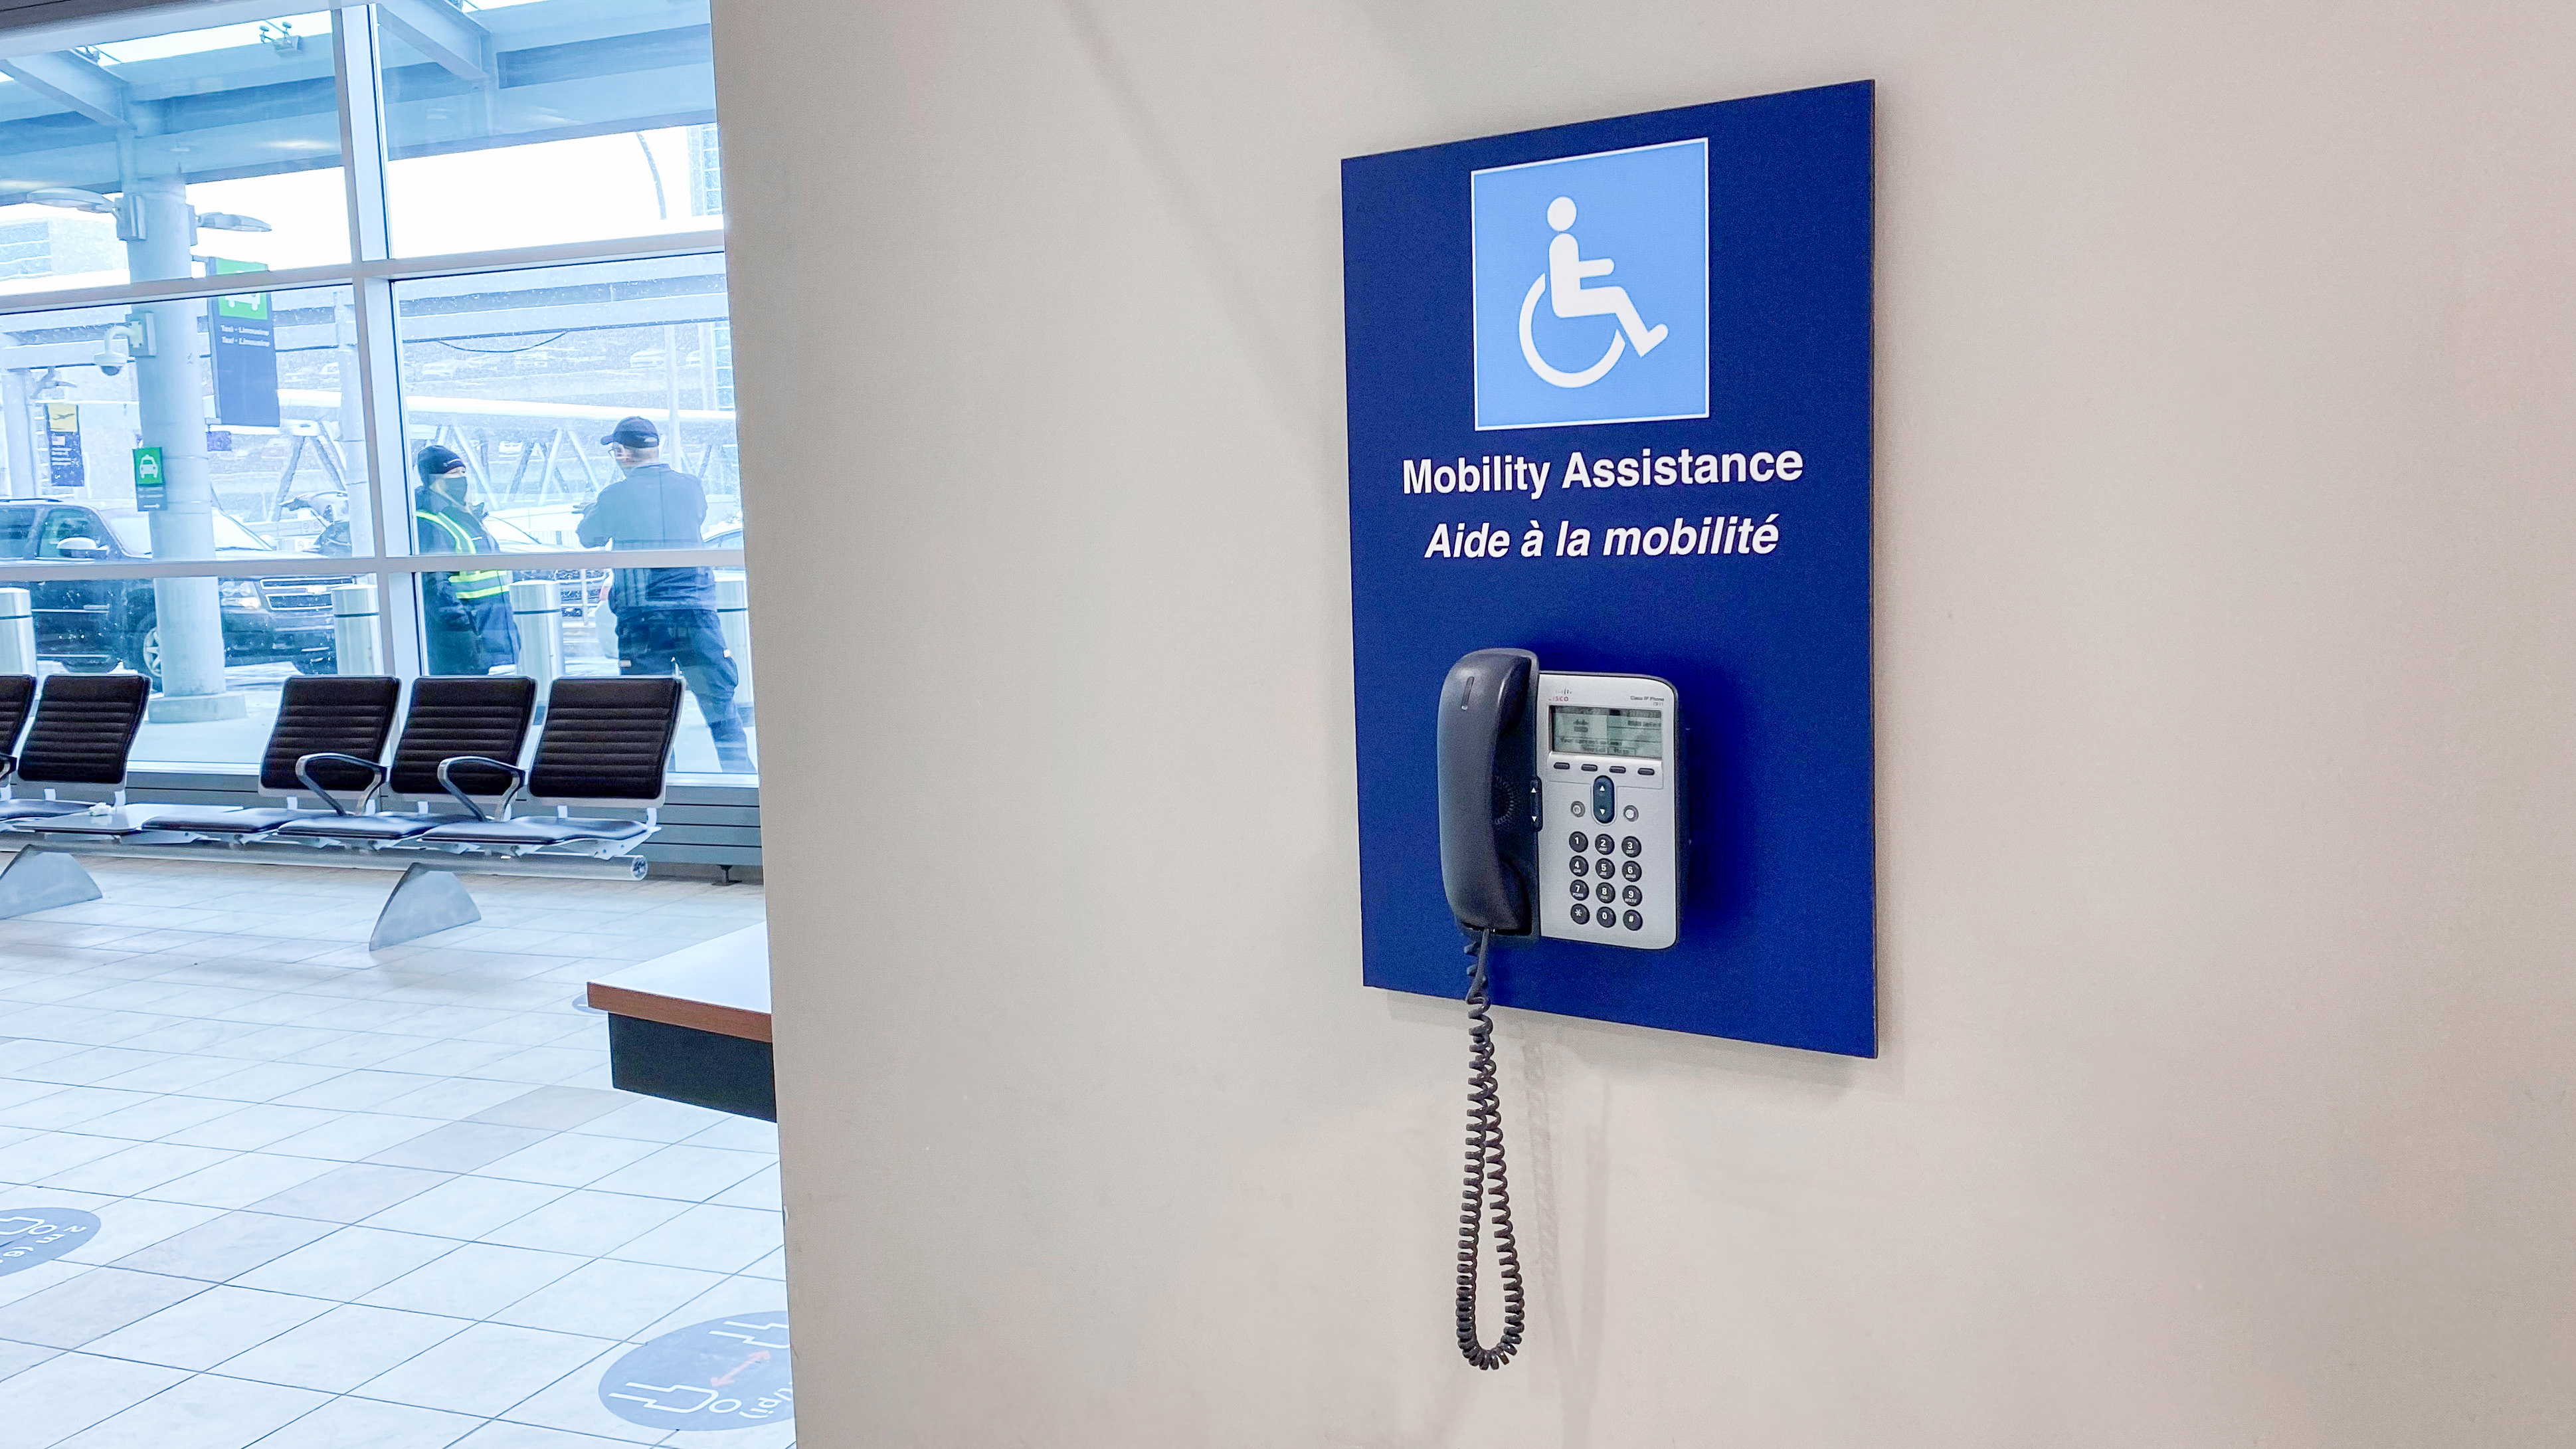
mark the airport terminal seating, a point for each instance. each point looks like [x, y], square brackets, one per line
[329, 735]
[81, 733]
[604, 743]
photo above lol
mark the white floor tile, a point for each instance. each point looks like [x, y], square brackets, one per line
[205, 1412]
[571, 1405]
[347, 1264]
[38, 1158]
[242, 1181]
[247, 1129]
[69, 1392]
[158, 1118]
[566, 1160]
[466, 1207]
[200, 1332]
[361, 1091]
[476, 1281]
[484, 1370]
[608, 1299]
[139, 1168]
[709, 1238]
[502, 1435]
[352, 1137]
[136, 1224]
[692, 1174]
[367, 1424]
[760, 1190]
[588, 1223]
[740, 1134]
[450, 1099]
[653, 1120]
[343, 1348]
[750, 1300]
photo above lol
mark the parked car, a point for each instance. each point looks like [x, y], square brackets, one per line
[92, 625]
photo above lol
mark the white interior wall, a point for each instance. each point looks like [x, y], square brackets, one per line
[2224, 688]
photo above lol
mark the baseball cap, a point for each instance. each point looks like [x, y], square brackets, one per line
[434, 460]
[635, 432]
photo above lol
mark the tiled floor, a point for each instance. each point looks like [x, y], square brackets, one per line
[352, 1199]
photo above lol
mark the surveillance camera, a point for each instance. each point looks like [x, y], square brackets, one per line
[113, 356]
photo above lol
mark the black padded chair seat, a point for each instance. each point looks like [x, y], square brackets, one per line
[542, 830]
[38, 809]
[228, 820]
[115, 824]
[370, 828]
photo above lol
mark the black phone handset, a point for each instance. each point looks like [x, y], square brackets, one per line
[1489, 801]
[1606, 770]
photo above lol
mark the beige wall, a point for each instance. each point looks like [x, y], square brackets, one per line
[2227, 423]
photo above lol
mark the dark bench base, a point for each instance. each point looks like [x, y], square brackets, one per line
[701, 1068]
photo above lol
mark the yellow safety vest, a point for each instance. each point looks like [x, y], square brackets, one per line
[470, 583]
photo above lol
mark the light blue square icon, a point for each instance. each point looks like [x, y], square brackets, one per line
[1592, 288]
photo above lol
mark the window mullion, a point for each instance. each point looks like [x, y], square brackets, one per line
[362, 149]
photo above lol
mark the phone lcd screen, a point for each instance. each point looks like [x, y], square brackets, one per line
[1584, 729]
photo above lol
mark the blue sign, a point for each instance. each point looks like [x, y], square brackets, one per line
[1683, 491]
[1592, 288]
[29, 1236]
[725, 1373]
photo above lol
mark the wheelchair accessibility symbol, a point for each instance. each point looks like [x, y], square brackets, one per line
[1639, 214]
[1562, 283]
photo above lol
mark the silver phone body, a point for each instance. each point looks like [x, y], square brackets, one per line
[1609, 766]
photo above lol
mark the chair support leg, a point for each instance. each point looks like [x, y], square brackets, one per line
[424, 900]
[39, 879]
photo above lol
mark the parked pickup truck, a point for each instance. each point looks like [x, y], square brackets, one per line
[92, 625]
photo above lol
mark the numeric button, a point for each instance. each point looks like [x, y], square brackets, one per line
[1600, 843]
[1582, 914]
[1630, 846]
[1631, 870]
[1634, 922]
[1579, 866]
[1577, 841]
[1633, 896]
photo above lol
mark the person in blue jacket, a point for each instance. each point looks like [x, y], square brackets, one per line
[666, 617]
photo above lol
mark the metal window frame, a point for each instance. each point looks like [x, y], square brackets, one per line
[371, 273]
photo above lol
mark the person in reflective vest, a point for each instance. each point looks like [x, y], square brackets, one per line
[666, 617]
[466, 614]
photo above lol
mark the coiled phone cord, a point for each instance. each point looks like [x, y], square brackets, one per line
[1485, 1181]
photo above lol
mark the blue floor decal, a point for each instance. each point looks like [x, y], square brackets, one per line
[725, 1373]
[29, 1236]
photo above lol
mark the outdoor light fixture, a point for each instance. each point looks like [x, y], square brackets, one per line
[229, 221]
[73, 199]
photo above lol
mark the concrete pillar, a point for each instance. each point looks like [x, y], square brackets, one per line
[17, 633]
[354, 633]
[536, 605]
[171, 408]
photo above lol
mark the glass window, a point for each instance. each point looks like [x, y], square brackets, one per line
[484, 621]
[243, 400]
[523, 376]
[579, 410]
[271, 628]
[549, 121]
[143, 159]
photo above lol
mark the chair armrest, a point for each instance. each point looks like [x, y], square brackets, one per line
[303, 768]
[8, 766]
[447, 782]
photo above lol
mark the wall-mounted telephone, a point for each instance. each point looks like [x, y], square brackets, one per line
[1560, 817]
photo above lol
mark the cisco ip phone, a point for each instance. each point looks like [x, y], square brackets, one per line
[1560, 818]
